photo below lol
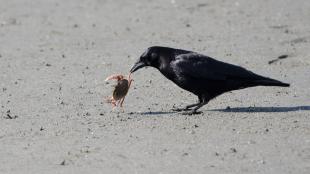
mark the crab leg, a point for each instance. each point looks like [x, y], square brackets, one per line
[113, 102]
[122, 101]
[115, 76]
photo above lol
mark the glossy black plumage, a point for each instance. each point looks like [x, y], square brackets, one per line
[200, 74]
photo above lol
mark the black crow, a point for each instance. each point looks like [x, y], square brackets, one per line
[202, 75]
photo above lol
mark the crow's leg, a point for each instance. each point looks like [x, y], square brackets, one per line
[205, 100]
[188, 106]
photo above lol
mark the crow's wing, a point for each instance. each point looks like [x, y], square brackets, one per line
[203, 67]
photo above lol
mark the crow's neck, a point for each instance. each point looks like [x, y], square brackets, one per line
[166, 70]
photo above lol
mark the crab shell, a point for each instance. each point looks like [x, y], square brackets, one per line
[121, 89]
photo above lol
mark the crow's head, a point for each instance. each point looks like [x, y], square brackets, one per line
[151, 57]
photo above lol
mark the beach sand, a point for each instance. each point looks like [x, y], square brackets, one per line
[55, 56]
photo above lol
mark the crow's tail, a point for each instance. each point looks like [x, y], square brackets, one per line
[270, 82]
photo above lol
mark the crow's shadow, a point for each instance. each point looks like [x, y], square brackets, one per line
[154, 112]
[236, 109]
[264, 109]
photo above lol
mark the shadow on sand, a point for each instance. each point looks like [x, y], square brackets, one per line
[264, 109]
[237, 109]
[154, 112]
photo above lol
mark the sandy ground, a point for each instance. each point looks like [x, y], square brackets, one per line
[55, 55]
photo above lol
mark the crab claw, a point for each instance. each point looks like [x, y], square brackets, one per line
[115, 76]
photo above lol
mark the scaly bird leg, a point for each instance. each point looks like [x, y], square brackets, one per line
[203, 102]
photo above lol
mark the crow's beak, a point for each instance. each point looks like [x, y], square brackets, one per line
[137, 66]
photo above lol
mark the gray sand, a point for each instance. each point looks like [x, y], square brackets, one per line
[55, 55]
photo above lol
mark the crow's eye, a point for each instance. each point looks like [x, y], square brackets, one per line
[154, 56]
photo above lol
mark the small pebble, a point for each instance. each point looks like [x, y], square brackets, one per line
[63, 163]
[233, 150]
[185, 154]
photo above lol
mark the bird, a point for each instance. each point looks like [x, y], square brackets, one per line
[199, 74]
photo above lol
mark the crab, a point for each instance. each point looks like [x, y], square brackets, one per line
[120, 90]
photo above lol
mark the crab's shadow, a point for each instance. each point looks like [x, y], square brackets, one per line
[264, 109]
